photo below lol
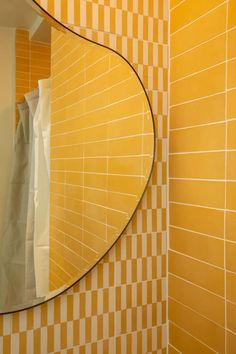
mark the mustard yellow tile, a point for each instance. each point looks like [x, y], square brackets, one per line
[231, 43]
[231, 225]
[231, 160]
[197, 138]
[204, 193]
[187, 11]
[117, 219]
[192, 270]
[197, 165]
[231, 286]
[199, 300]
[205, 83]
[231, 107]
[230, 256]
[126, 165]
[208, 221]
[96, 229]
[124, 203]
[231, 316]
[127, 146]
[95, 211]
[199, 327]
[172, 350]
[96, 165]
[95, 181]
[174, 3]
[202, 57]
[206, 110]
[232, 73]
[231, 131]
[202, 247]
[129, 126]
[231, 342]
[126, 184]
[231, 195]
[97, 244]
[231, 14]
[185, 342]
[199, 31]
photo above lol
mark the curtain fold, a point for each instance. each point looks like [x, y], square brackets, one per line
[24, 243]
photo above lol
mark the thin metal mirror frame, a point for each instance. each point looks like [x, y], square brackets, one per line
[58, 25]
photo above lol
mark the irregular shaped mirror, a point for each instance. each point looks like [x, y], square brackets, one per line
[76, 153]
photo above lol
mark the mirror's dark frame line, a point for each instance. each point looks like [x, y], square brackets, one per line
[151, 169]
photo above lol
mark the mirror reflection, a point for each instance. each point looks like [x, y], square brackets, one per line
[76, 153]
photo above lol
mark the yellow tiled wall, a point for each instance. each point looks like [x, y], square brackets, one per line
[202, 271]
[102, 147]
[32, 63]
[119, 307]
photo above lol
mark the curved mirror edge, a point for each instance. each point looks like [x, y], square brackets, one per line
[149, 130]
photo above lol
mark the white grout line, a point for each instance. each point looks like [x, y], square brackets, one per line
[198, 286]
[197, 125]
[196, 233]
[202, 43]
[196, 339]
[225, 172]
[197, 206]
[196, 152]
[174, 7]
[199, 314]
[196, 99]
[198, 72]
[198, 18]
[197, 260]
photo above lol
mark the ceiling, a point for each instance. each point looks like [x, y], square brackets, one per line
[16, 14]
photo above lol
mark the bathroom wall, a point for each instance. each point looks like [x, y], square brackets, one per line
[101, 152]
[32, 63]
[7, 111]
[120, 307]
[202, 267]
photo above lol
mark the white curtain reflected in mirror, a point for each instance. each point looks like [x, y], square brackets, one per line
[24, 252]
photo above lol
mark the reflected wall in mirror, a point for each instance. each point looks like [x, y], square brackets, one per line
[76, 155]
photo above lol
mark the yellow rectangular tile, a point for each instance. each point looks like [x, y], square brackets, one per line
[199, 31]
[231, 342]
[197, 165]
[198, 138]
[204, 220]
[231, 286]
[187, 12]
[174, 3]
[194, 192]
[192, 270]
[202, 57]
[231, 160]
[231, 74]
[205, 303]
[231, 256]
[231, 106]
[205, 83]
[199, 327]
[231, 195]
[231, 43]
[231, 133]
[231, 225]
[231, 317]
[231, 14]
[206, 110]
[202, 247]
[172, 350]
[185, 342]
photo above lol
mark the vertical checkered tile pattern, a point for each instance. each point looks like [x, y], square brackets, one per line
[120, 306]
